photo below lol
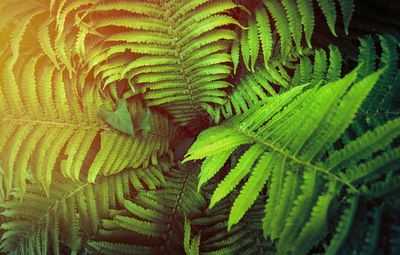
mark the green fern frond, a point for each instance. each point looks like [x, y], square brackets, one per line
[344, 226]
[347, 8]
[244, 237]
[47, 216]
[367, 56]
[305, 160]
[372, 235]
[282, 26]
[158, 215]
[189, 35]
[290, 18]
[316, 226]
[253, 88]
[191, 247]
[379, 99]
[294, 18]
[254, 44]
[329, 9]
[320, 66]
[264, 32]
[307, 18]
[381, 105]
[303, 144]
[335, 64]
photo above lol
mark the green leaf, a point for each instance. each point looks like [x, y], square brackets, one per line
[120, 119]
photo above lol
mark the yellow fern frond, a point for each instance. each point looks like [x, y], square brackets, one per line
[47, 123]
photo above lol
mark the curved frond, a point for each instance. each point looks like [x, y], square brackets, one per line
[244, 237]
[157, 216]
[190, 35]
[47, 124]
[277, 148]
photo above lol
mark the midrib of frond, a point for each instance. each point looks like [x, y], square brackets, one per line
[54, 206]
[53, 123]
[179, 199]
[256, 139]
[180, 60]
[20, 121]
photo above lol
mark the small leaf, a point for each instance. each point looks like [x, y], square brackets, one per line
[120, 119]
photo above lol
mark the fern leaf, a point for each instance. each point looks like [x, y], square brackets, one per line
[351, 100]
[58, 211]
[347, 7]
[294, 18]
[187, 33]
[254, 44]
[244, 48]
[344, 226]
[329, 10]
[372, 236]
[62, 13]
[279, 208]
[371, 169]
[44, 39]
[18, 33]
[320, 66]
[239, 172]
[235, 55]
[382, 189]
[362, 147]
[315, 227]
[291, 145]
[305, 70]
[251, 189]
[282, 25]
[141, 227]
[212, 165]
[11, 90]
[390, 58]
[224, 144]
[307, 18]
[62, 127]
[335, 64]
[299, 214]
[367, 56]
[264, 32]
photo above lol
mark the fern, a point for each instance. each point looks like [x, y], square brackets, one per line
[215, 239]
[156, 215]
[302, 144]
[380, 105]
[177, 55]
[344, 226]
[191, 246]
[302, 156]
[39, 219]
[253, 88]
[291, 18]
[46, 123]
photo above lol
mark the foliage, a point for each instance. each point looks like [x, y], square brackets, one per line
[296, 131]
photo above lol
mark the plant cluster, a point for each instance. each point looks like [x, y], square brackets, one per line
[199, 127]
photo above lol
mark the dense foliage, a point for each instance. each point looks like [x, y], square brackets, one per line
[199, 127]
